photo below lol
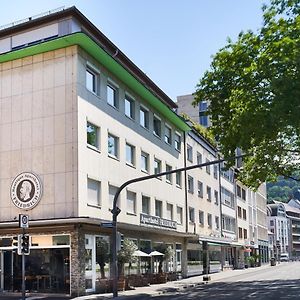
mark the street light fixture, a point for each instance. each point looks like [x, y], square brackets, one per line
[116, 210]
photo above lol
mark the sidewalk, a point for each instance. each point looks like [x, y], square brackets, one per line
[174, 286]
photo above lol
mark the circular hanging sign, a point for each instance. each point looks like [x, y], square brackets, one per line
[26, 191]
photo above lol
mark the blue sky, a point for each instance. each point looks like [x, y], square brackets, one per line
[172, 41]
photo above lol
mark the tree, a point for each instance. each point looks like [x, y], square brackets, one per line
[126, 254]
[254, 94]
[103, 255]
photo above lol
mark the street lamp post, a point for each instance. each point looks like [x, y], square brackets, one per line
[116, 210]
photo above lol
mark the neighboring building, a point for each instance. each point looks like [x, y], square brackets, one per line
[243, 211]
[197, 113]
[203, 198]
[293, 213]
[78, 119]
[279, 226]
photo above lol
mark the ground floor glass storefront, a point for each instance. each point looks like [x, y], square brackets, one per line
[47, 268]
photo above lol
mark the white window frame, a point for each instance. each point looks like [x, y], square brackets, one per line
[113, 86]
[116, 146]
[168, 134]
[97, 146]
[98, 201]
[132, 159]
[145, 110]
[157, 134]
[129, 99]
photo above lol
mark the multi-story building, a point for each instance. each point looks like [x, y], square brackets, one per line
[293, 213]
[78, 119]
[197, 113]
[203, 199]
[243, 211]
[279, 226]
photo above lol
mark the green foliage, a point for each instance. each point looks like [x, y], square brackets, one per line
[206, 133]
[253, 89]
[125, 255]
[283, 190]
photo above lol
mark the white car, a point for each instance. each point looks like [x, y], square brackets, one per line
[284, 257]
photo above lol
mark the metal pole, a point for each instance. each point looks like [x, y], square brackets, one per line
[115, 210]
[23, 272]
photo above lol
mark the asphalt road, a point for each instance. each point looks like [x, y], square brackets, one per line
[281, 282]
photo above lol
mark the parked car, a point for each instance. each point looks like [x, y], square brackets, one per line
[284, 257]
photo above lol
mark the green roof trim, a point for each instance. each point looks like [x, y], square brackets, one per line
[107, 61]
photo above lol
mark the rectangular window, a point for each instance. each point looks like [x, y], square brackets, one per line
[91, 80]
[200, 189]
[243, 194]
[190, 184]
[145, 162]
[240, 233]
[131, 202]
[199, 158]
[156, 126]
[189, 150]
[238, 191]
[227, 197]
[168, 135]
[209, 220]
[129, 107]
[157, 166]
[201, 217]
[112, 95]
[216, 197]
[169, 215]
[177, 140]
[178, 179]
[208, 191]
[94, 189]
[111, 194]
[244, 214]
[169, 176]
[207, 167]
[245, 234]
[239, 212]
[216, 171]
[144, 117]
[217, 220]
[192, 214]
[158, 208]
[92, 134]
[271, 222]
[145, 205]
[130, 154]
[179, 215]
[113, 145]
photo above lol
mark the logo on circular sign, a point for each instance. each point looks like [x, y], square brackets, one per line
[26, 191]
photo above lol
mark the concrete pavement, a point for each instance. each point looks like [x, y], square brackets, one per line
[174, 286]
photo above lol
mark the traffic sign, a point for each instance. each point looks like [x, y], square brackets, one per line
[106, 224]
[23, 221]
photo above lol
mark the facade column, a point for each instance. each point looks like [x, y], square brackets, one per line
[184, 260]
[206, 268]
[77, 262]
